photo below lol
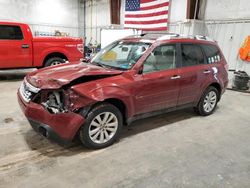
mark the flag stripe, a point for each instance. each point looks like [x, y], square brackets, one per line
[147, 11]
[155, 29]
[158, 17]
[147, 22]
[147, 1]
[146, 15]
[155, 6]
[150, 29]
[153, 3]
[146, 26]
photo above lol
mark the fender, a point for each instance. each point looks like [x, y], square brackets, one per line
[102, 93]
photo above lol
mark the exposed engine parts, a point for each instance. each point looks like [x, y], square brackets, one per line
[54, 103]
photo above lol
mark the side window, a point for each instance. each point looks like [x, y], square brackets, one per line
[161, 58]
[191, 55]
[212, 53]
[8, 32]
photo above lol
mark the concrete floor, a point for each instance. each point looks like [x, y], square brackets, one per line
[178, 149]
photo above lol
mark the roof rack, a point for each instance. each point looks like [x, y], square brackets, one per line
[179, 36]
[200, 37]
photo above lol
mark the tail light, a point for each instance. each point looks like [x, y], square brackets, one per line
[80, 48]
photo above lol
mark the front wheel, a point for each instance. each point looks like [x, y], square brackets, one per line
[208, 101]
[102, 126]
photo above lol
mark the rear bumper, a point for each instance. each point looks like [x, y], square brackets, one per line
[63, 126]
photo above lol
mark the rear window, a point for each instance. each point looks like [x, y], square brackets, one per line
[212, 53]
[8, 32]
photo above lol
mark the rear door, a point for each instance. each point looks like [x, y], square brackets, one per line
[158, 86]
[15, 49]
[195, 73]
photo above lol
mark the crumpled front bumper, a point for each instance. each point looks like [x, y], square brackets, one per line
[63, 126]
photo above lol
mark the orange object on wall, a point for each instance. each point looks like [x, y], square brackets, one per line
[244, 51]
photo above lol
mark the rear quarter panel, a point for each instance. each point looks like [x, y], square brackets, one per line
[218, 74]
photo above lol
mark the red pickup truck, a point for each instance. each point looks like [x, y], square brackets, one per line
[19, 49]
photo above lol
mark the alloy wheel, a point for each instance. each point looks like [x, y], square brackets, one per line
[103, 127]
[210, 101]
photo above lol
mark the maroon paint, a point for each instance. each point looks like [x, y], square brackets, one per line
[139, 92]
[65, 124]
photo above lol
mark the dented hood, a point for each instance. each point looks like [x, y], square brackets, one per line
[56, 77]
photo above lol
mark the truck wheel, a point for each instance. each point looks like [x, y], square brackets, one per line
[208, 101]
[102, 126]
[54, 61]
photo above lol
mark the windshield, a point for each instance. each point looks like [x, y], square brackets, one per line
[120, 55]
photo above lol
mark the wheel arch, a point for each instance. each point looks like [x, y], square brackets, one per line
[120, 105]
[213, 84]
[218, 87]
[54, 54]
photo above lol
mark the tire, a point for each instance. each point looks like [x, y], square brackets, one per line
[103, 133]
[208, 101]
[54, 61]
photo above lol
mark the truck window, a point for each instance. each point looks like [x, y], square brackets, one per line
[9, 32]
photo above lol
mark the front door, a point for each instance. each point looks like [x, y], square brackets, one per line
[15, 50]
[158, 86]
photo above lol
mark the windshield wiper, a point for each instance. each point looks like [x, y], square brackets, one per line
[108, 66]
[99, 64]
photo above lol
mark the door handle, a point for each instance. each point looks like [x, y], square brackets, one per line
[206, 71]
[25, 46]
[175, 77]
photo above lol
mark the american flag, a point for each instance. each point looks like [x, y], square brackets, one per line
[147, 15]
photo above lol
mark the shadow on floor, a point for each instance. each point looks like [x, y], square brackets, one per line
[14, 75]
[155, 122]
[51, 148]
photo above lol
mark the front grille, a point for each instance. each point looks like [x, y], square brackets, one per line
[27, 91]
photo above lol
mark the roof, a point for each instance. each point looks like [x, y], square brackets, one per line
[169, 36]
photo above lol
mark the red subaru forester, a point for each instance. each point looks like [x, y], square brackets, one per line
[135, 77]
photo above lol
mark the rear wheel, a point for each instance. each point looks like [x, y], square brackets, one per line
[102, 126]
[54, 61]
[208, 101]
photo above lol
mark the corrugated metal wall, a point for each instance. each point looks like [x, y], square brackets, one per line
[230, 35]
[43, 15]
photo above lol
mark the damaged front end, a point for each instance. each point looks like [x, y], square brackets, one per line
[54, 102]
[51, 112]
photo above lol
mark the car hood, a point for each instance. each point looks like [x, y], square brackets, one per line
[58, 76]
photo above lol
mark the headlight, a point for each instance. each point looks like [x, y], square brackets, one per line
[27, 91]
